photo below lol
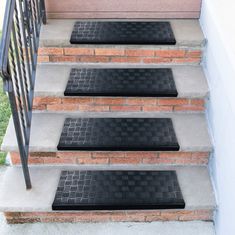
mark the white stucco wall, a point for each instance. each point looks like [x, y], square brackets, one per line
[2, 10]
[217, 20]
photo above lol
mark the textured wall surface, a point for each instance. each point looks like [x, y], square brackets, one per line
[219, 65]
[2, 10]
[123, 8]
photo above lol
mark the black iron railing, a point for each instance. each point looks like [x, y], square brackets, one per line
[18, 61]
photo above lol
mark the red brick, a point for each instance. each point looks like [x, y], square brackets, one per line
[141, 101]
[15, 158]
[46, 100]
[80, 154]
[186, 60]
[58, 160]
[173, 101]
[137, 52]
[126, 160]
[63, 107]
[93, 161]
[42, 154]
[62, 58]
[125, 59]
[108, 154]
[125, 108]
[196, 215]
[109, 52]
[157, 108]
[78, 51]
[39, 107]
[141, 154]
[170, 53]
[173, 155]
[80, 100]
[109, 101]
[43, 59]
[189, 108]
[156, 60]
[50, 51]
[200, 154]
[88, 108]
[95, 216]
[197, 102]
[93, 59]
[197, 54]
[164, 216]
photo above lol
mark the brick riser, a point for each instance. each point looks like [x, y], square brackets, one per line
[109, 216]
[106, 104]
[136, 158]
[119, 55]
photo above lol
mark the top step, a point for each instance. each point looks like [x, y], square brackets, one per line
[185, 47]
[57, 33]
[131, 9]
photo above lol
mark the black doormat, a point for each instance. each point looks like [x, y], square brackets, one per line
[116, 134]
[121, 82]
[157, 33]
[118, 190]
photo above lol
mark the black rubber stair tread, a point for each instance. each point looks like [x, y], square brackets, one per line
[90, 32]
[118, 190]
[116, 134]
[121, 82]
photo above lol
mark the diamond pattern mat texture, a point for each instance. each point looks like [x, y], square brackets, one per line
[117, 190]
[157, 33]
[116, 134]
[121, 82]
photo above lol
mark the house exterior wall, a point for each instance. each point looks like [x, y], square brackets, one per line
[217, 21]
[123, 8]
[2, 10]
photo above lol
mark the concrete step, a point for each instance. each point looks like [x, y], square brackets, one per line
[21, 206]
[51, 81]
[55, 46]
[191, 131]
[123, 9]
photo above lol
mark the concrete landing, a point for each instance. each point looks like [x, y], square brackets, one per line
[154, 228]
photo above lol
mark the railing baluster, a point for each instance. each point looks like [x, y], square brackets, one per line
[25, 45]
[22, 150]
[34, 13]
[21, 54]
[19, 73]
[18, 59]
[17, 88]
[43, 11]
[31, 25]
[26, 19]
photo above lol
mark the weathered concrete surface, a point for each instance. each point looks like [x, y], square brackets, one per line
[56, 33]
[191, 130]
[154, 228]
[194, 182]
[52, 79]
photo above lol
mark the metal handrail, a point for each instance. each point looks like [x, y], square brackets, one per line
[18, 61]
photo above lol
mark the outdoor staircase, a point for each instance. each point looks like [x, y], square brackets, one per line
[57, 58]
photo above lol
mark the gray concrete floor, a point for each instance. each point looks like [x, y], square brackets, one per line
[154, 228]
